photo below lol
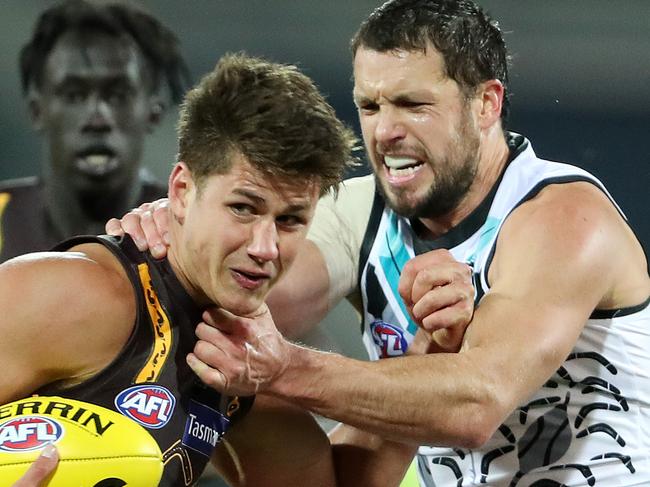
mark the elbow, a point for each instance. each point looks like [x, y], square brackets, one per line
[476, 436]
[481, 420]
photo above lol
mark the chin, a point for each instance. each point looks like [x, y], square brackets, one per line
[244, 307]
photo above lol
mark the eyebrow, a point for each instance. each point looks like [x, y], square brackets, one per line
[75, 79]
[408, 96]
[296, 207]
[359, 99]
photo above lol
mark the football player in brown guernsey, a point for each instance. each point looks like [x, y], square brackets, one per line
[100, 321]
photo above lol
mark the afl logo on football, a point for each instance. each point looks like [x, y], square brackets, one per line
[28, 433]
[388, 338]
[151, 406]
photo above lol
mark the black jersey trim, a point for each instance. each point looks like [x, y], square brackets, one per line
[573, 178]
[473, 222]
[376, 213]
[603, 314]
[598, 313]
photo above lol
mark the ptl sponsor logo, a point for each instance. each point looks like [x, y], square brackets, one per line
[151, 406]
[29, 433]
[389, 339]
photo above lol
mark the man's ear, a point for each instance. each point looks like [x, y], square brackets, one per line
[181, 190]
[156, 111]
[491, 94]
[35, 110]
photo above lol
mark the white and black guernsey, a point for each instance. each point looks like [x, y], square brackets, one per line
[590, 423]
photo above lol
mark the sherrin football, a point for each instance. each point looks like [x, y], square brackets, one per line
[97, 447]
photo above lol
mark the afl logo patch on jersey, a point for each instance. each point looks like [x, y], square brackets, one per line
[151, 406]
[389, 339]
[29, 433]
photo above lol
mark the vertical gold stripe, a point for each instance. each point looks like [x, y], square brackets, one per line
[4, 201]
[161, 329]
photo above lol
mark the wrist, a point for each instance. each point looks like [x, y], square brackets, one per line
[298, 381]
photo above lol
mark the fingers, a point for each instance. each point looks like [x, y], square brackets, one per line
[209, 376]
[431, 295]
[219, 318]
[439, 295]
[158, 234]
[435, 260]
[420, 344]
[454, 273]
[456, 316]
[114, 227]
[148, 226]
[41, 469]
[238, 355]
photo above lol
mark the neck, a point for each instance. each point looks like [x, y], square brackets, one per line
[181, 271]
[85, 213]
[493, 155]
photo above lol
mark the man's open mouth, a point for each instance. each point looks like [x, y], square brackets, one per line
[402, 166]
[97, 161]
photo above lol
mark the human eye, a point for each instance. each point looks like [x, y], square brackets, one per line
[242, 209]
[412, 104]
[291, 221]
[368, 108]
[73, 94]
[118, 95]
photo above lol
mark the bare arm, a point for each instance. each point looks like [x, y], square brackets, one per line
[560, 256]
[279, 444]
[275, 445]
[63, 316]
[379, 461]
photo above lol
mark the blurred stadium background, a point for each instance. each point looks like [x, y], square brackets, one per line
[580, 84]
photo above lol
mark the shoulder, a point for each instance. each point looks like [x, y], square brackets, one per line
[76, 307]
[572, 212]
[20, 185]
[338, 231]
[572, 228]
[351, 192]
[350, 207]
[82, 270]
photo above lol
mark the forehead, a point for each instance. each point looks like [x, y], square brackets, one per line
[93, 55]
[246, 180]
[397, 69]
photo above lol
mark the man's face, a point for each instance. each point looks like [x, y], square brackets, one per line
[238, 233]
[94, 108]
[420, 132]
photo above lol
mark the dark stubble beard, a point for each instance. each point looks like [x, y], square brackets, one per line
[454, 175]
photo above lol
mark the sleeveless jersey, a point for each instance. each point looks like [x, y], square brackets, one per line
[590, 423]
[25, 224]
[149, 381]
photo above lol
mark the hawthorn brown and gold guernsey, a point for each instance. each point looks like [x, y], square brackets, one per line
[149, 381]
[25, 222]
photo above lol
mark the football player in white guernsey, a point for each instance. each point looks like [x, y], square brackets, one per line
[550, 384]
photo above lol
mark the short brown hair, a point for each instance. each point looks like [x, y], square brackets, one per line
[270, 113]
[470, 42]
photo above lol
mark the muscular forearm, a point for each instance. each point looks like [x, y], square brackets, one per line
[432, 399]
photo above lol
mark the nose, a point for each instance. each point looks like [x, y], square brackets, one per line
[389, 127]
[263, 246]
[98, 116]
